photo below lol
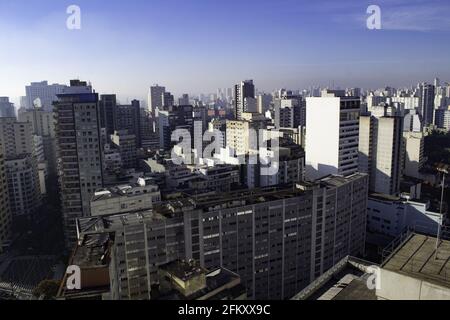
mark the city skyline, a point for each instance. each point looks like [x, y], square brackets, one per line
[127, 48]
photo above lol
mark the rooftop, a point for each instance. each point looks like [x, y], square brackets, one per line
[112, 222]
[93, 251]
[184, 270]
[416, 258]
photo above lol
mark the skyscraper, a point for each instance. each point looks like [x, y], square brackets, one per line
[426, 107]
[155, 99]
[244, 89]
[43, 125]
[183, 100]
[79, 153]
[42, 94]
[108, 105]
[332, 133]
[128, 117]
[263, 102]
[16, 140]
[381, 152]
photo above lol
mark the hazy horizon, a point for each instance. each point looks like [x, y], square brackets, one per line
[125, 47]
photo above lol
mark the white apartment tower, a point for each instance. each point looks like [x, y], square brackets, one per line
[381, 152]
[332, 133]
[42, 94]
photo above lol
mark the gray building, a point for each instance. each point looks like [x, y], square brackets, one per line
[42, 95]
[17, 144]
[126, 144]
[244, 89]
[277, 240]
[426, 103]
[6, 108]
[5, 211]
[79, 153]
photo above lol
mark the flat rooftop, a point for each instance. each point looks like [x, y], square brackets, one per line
[416, 258]
[184, 270]
[94, 250]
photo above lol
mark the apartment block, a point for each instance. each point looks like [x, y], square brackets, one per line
[79, 151]
[332, 134]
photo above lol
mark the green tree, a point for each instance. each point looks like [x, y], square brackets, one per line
[47, 288]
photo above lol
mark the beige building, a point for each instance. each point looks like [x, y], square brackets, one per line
[21, 165]
[242, 135]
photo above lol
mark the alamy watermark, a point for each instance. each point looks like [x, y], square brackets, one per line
[259, 147]
[73, 21]
[374, 280]
[73, 278]
[373, 22]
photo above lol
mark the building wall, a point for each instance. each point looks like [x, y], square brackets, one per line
[392, 217]
[322, 137]
[5, 212]
[79, 156]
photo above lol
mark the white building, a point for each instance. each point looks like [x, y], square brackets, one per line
[128, 198]
[390, 216]
[332, 133]
[41, 94]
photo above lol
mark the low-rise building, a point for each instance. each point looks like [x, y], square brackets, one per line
[138, 196]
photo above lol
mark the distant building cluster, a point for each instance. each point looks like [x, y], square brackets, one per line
[240, 194]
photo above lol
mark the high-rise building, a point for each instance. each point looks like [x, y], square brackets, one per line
[288, 112]
[381, 152]
[41, 94]
[426, 106]
[5, 211]
[79, 153]
[155, 99]
[168, 99]
[176, 117]
[332, 133]
[126, 144]
[414, 159]
[244, 89]
[129, 119]
[6, 108]
[183, 100]
[43, 125]
[263, 102]
[278, 240]
[108, 112]
[21, 164]
[443, 118]
[242, 135]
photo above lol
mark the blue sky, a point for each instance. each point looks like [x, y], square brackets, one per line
[200, 45]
